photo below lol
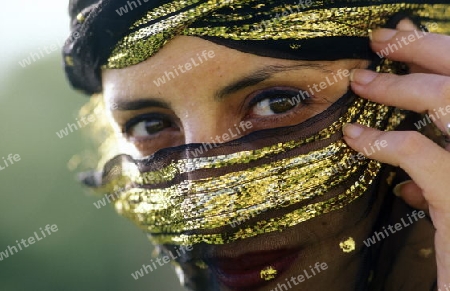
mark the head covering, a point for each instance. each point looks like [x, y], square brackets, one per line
[275, 178]
[116, 34]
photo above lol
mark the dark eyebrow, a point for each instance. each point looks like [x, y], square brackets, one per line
[263, 74]
[141, 104]
[250, 80]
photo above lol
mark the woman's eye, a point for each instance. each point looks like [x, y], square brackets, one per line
[276, 102]
[147, 127]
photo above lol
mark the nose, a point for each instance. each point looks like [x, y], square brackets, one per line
[203, 125]
[213, 125]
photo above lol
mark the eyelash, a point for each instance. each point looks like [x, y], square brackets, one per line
[130, 124]
[297, 95]
[263, 94]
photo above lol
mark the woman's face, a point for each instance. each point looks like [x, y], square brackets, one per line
[195, 91]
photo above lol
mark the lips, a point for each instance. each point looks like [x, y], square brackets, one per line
[244, 272]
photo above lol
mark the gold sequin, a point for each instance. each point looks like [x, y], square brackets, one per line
[80, 18]
[425, 253]
[69, 61]
[268, 273]
[201, 264]
[348, 245]
[391, 177]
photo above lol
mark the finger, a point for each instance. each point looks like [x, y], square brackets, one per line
[417, 92]
[411, 194]
[407, 25]
[425, 162]
[424, 49]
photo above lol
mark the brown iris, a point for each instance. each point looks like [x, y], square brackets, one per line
[281, 104]
[154, 126]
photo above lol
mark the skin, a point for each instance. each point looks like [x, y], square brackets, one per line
[194, 113]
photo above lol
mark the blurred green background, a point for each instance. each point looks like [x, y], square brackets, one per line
[94, 249]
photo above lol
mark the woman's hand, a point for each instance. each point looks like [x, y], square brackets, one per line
[425, 90]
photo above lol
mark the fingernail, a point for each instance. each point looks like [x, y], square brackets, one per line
[362, 77]
[352, 130]
[383, 34]
[398, 188]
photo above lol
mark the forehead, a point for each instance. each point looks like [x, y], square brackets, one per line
[190, 66]
[185, 59]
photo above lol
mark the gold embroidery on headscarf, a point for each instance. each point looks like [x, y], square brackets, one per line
[158, 26]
